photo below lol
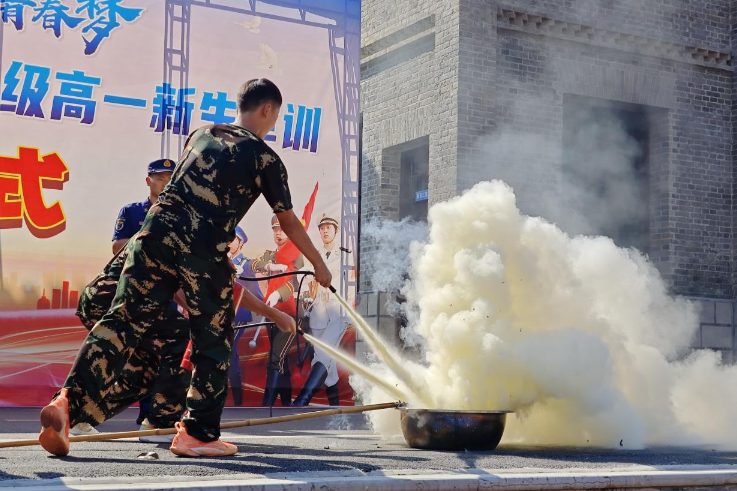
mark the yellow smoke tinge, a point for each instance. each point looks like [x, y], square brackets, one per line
[576, 335]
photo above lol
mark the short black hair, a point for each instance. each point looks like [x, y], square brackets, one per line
[258, 91]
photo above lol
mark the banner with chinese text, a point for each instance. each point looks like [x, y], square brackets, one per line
[91, 91]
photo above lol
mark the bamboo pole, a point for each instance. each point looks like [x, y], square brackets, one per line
[235, 424]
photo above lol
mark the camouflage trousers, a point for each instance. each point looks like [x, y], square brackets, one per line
[151, 275]
[154, 368]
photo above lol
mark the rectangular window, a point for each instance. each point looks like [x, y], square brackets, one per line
[414, 181]
[605, 172]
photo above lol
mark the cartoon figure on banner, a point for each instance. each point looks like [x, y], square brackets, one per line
[242, 315]
[280, 295]
[327, 319]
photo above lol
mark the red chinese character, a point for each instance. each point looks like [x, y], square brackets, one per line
[11, 204]
[33, 175]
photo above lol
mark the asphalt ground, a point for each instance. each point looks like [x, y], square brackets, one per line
[338, 444]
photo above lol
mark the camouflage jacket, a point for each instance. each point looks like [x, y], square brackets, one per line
[223, 170]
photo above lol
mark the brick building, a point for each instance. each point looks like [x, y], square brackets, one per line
[441, 77]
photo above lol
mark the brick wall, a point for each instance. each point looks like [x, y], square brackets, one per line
[733, 22]
[409, 93]
[463, 69]
[476, 85]
[691, 22]
[535, 71]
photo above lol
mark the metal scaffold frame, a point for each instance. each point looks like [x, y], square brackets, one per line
[176, 59]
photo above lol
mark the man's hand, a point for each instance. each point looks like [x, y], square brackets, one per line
[292, 226]
[322, 275]
[284, 322]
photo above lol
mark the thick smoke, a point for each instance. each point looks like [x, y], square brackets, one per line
[392, 242]
[590, 179]
[395, 242]
[577, 336]
[529, 306]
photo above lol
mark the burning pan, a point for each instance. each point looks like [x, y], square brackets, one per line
[438, 429]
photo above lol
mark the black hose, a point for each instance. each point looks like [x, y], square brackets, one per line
[299, 292]
[277, 275]
[253, 324]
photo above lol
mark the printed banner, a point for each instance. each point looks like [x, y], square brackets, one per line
[91, 91]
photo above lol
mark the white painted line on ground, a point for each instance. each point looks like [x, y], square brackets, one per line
[471, 479]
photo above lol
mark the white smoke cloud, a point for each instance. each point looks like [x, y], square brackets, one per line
[577, 336]
[392, 241]
[395, 243]
[584, 180]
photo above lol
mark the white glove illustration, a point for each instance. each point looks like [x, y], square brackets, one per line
[273, 299]
[274, 268]
[307, 305]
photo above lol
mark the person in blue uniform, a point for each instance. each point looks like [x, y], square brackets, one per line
[129, 222]
[242, 315]
[131, 215]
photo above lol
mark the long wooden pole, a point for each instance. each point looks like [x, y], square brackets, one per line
[235, 424]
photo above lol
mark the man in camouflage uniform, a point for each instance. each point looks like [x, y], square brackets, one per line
[183, 244]
[155, 365]
[278, 374]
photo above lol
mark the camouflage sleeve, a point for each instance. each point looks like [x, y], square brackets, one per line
[97, 297]
[274, 184]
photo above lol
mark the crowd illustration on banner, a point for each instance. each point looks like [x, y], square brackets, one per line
[54, 242]
[319, 312]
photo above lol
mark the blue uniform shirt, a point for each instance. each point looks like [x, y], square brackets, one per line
[130, 219]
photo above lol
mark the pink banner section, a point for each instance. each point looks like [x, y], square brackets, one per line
[37, 348]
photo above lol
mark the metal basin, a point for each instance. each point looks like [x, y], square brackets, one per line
[439, 429]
